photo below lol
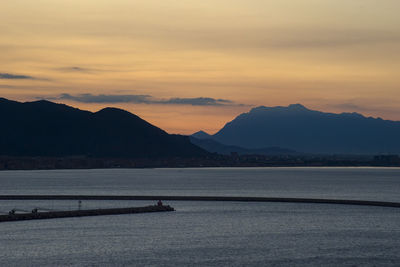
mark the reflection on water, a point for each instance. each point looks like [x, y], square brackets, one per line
[211, 234]
[207, 233]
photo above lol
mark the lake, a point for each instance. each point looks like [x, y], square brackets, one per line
[207, 233]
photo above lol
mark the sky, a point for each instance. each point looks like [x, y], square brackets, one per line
[189, 65]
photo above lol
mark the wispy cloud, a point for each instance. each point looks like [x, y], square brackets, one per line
[197, 101]
[350, 106]
[76, 69]
[146, 99]
[366, 107]
[89, 98]
[10, 76]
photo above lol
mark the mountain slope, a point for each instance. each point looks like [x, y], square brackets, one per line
[216, 147]
[43, 128]
[298, 128]
[201, 135]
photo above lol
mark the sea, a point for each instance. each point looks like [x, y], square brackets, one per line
[206, 233]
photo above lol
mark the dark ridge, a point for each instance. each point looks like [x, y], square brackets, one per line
[47, 129]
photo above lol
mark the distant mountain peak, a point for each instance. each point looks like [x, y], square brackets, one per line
[201, 135]
[353, 114]
[201, 132]
[297, 107]
[297, 128]
[291, 107]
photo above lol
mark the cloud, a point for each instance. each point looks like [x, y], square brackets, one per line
[7, 86]
[198, 101]
[89, 98]
[76, 69]
[262, 37]
[349, 106]
[16, 77]
[146, 99]
[366, 107]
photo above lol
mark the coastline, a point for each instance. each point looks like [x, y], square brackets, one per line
[84, 162]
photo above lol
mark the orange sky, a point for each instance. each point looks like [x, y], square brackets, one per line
[191, 65]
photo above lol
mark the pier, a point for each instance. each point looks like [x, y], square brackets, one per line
[35, 215]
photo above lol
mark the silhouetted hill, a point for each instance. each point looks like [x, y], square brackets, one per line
[216, 147]
[298, 128]
[44, 128]
[201, 135]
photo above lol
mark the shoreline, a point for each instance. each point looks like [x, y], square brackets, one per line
[213, 161]
[205, 167]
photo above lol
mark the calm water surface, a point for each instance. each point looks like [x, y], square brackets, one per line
[207, 233]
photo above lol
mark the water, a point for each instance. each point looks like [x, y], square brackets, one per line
[208, 233]
[348, 183]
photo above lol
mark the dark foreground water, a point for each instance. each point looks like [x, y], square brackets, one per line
[207, 233]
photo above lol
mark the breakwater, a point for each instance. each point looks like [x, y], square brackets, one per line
[204, 198]
[79, 213]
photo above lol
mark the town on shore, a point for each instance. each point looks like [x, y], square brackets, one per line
[214, 160]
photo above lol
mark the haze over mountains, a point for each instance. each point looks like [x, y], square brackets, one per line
[43, 128]
[297, 128]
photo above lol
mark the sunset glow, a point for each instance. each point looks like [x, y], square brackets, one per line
[191, 65]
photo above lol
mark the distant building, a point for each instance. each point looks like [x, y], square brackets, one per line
[387, 159]
[234, 154]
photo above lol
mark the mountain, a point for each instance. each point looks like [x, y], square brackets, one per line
[44, 128]
[216, 147]
[201, 135]
[298, 128]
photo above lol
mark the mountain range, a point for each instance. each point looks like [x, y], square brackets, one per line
[213, 146]
[298, 128]
[44, 128]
